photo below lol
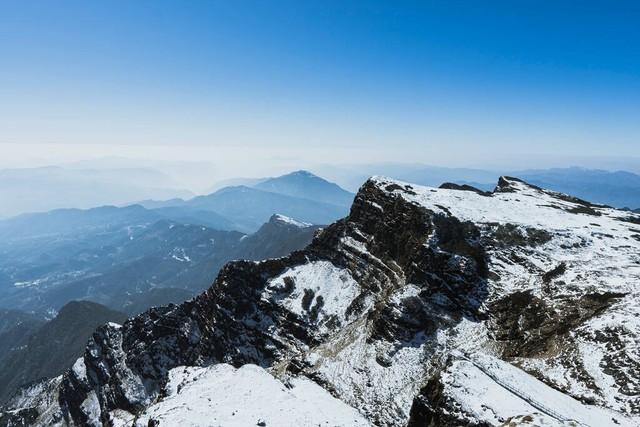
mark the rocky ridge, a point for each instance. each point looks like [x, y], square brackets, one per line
[393, 309]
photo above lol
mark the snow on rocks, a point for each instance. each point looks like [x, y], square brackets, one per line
[290, 221]
[382, 389]
[581, 261]
[79, 369]
[222, 395]
[91, 408]
[317, 289]
[486, 389]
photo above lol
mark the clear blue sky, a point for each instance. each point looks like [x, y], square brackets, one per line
[435, 82]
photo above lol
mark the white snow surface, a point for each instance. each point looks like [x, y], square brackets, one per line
[334, 285]
[222, 395]
[492, 391]
[291, 221]
[80, 369]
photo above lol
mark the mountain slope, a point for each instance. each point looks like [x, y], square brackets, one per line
[278, 237]
[235, 397]
[234, 182]
[186, 215]
[307, 186]
[15, 329]
[251, 207]
[9, 319]
[524, 283]
[54, 347]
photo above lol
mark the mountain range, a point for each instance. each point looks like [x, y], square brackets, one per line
[424, 306]
[124, 181]
[299, 195]
[126, 258]
[43, 189]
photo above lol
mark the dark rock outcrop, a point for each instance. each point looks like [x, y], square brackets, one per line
[464, 187]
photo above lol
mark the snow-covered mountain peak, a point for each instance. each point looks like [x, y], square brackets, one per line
[283, 219]
[392, 309]
[522, 204]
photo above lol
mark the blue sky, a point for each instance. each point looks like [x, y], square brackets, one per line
[460, 83]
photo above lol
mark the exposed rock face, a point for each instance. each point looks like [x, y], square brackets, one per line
[392, 308]
[463, 187]
[528, 326]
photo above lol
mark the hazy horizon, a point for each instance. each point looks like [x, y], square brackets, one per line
[205, 92]
[232, 162]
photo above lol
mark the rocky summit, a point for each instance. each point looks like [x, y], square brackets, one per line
[423, 307]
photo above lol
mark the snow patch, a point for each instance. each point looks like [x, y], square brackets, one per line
[493, 391]
[179, 254]
[79, 369]
[317, 281]
[291, 221]
[91, 406]
[222, 395]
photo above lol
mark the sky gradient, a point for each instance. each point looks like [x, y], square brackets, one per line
[448, 83]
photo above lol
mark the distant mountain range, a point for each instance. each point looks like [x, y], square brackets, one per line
[126, 258]
[250, 207]
[47, 349]
[234, 182]
[301, 195]
[47, 188]
[90, 184]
